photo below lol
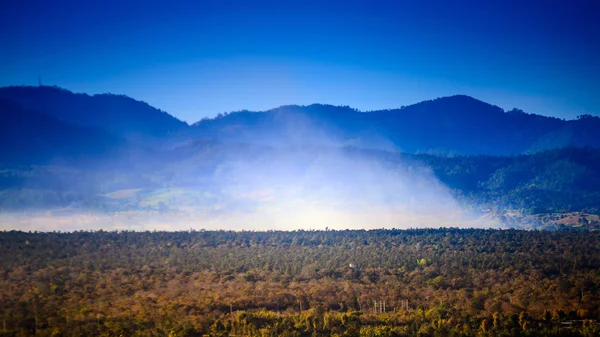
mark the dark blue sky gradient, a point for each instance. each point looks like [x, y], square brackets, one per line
[198, 58]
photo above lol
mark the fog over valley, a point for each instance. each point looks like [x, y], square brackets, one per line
[255, 189]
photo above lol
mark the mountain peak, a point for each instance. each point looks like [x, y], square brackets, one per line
[457, 108]
[464, 100]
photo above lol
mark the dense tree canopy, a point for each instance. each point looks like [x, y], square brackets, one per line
[459, 282]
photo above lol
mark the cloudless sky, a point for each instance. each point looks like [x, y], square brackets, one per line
[199, 58]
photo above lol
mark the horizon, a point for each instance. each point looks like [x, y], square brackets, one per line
[199, 60]
[194, 121]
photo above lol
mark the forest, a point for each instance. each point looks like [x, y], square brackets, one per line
[423, 282]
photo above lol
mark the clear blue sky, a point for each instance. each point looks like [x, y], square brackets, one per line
[198, 58]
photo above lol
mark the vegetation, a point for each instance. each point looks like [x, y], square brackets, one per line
[564, 180]
[435, 282]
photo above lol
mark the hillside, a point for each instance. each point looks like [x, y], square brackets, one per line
[449, 125]
[242, 185]
[455, 125]
[117, 114]
[34, 138]
[442, 162]
[552, 181]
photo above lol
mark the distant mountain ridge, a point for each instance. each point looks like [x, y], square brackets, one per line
[110, 153]
[449, 125]
[35, 138]
[454, 125]
[118, 114]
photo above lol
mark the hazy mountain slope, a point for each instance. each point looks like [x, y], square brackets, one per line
[550, 181]
[292, 158]
[228, 178]
[289, 125]
[120, 115]
[583, 132]
[449, 125]
[30, 137]
[463, 125]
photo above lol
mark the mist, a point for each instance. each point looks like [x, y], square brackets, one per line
[287, 169]
[218, 186]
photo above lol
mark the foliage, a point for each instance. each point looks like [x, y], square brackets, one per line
[473, 282]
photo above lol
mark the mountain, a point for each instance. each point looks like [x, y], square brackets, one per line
[120, 115]
[295, 125]
[561, 180]
[455, 125]
[464, 125]
[60, 149]
[449, 125]
[35, 138]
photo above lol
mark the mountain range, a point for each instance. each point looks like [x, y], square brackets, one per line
[120, 115]
[113, 153]
[444, 126]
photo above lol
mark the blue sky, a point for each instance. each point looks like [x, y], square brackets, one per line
[199, 58]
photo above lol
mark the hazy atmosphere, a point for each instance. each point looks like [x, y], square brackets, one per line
[299, 168]
[283, 188]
